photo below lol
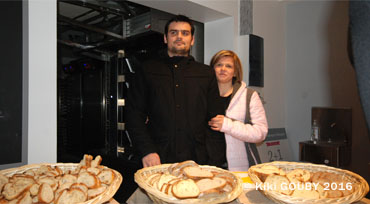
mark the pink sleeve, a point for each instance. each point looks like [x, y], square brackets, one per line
[245, 132]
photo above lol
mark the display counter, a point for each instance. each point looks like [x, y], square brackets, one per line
[250, 196]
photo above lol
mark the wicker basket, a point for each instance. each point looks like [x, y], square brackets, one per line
[355, 179]
[160, 197]
[107, 195]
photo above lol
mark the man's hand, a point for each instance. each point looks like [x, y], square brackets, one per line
[216, 122]
[151, 159]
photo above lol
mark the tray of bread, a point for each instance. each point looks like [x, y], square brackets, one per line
[188, 182]
[86, 182]
[294, 182]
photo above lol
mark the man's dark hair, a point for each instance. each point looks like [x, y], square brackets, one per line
[179, 18]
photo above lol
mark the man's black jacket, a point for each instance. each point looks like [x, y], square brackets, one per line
[168, 106]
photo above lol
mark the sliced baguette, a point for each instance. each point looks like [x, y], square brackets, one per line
[25, 198]
[91, 193]
[71, 196]
[96, 162]
[170, 183]
[77, 196]
[106, 176]
[89, 179]
[185, 189]
[180, 166]
[3, 181]
[266, 171]
[46, 193]
[154, 179]
[209, 185]
[278, 183]
[165, 178]
[81, 186]
[34, 190]
[172, 167]
[13, 190]
[177, 170]
[195, 172]
[67, 178]
[93, 170]
[49, 180]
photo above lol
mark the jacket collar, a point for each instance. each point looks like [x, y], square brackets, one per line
[164, 55]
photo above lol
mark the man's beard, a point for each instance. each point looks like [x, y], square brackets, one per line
[183, 51]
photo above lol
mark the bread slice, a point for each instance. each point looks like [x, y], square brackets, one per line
[59, 170]
[46, 193]
[206, 185]
[195, 172]
[299, 175]
[277, 183]
[42, 169]
[91, 193]
[185, 189]
[3, 181]
[71, 196]
[86, 161]
[49, 180]
[93, 170]
[177, 170]
[64, 186]
[25, 198]
[106, 176]
[62, 197]
[89, 179]
[154, 179]
[81, 186]
[184, 164]
[170, 183]
[67, 178]
[96, 162]
[30, 172]
[35, 199]
[15, 189]
[305, 193]
[34, 190]
[165, 178]
[266, 171]
[172, 167]
[3, 200]
[163, 188]
[77, 196]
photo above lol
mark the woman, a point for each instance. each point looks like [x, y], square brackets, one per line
[240, 136]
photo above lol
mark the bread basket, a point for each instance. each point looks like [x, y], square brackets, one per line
[362, 186]
[106, 196]
[159, 197]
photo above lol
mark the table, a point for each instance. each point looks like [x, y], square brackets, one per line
[249, 196]
[331, 154]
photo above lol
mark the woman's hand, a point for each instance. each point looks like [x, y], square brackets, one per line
[216, 122]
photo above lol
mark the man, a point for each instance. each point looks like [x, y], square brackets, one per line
[169, 102]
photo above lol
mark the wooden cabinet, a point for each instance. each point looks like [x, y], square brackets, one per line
[331, 154]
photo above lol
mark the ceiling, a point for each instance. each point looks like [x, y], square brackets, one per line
[89, 24]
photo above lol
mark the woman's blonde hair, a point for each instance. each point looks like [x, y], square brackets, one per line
[238, 69]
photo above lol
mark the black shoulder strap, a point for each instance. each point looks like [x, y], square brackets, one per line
[252, 152]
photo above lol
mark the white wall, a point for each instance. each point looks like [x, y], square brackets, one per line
[319, 73]
[218, 35]
[269, 23]
[42, 91]
[306, 77]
